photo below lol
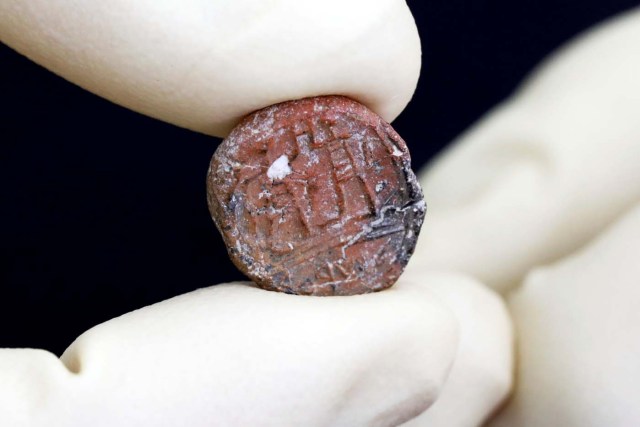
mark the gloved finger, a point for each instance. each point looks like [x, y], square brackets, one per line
[235, 355]
[578, 324]
[205, 64]
[547, 171]
[482, 372]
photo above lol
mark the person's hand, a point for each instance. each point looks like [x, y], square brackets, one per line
[541, 201]
[233, 354]
[204, 64]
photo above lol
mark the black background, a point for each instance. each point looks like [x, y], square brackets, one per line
[103, 210]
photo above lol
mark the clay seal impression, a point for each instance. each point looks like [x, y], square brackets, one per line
[316, 197]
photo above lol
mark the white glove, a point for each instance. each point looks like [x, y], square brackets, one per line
[234, 355]
[545, 192]
[204, 64]
[545, 172]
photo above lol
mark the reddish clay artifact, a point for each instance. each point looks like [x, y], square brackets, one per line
[316, 197]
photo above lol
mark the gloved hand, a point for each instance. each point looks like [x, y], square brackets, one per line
[541, 201]
[233, 354]
[533, 199]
